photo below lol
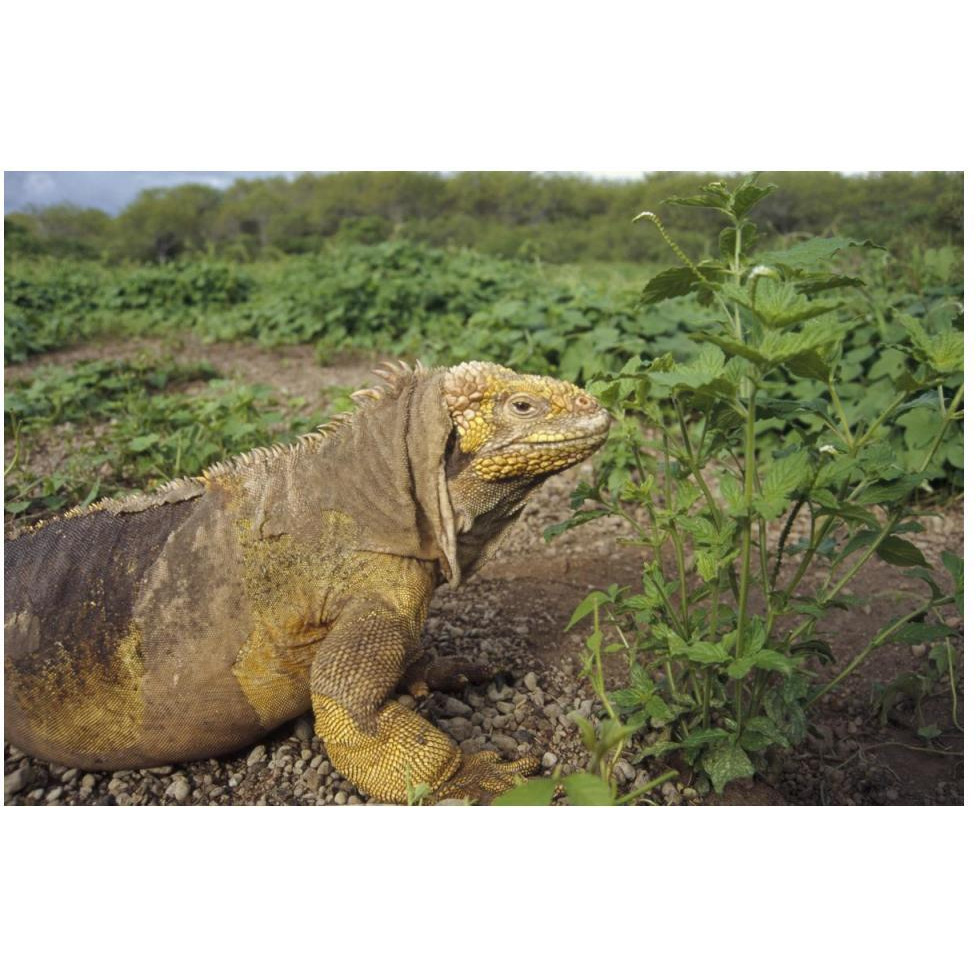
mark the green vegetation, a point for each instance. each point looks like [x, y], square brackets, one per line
[115, 426]
[785, 403]
[772, 442]
[557, 218]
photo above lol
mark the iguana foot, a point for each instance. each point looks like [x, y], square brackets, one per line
[448, 674]
[401, 747]
[381, 754]
[484, 775]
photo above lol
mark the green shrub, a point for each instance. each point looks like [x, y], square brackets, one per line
[723, 654]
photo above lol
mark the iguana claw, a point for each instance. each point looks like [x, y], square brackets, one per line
[446, 674]
[484, 775]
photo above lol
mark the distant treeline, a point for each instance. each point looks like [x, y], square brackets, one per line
[555, 217]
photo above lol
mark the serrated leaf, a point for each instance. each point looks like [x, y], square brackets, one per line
[747, 196]
[703, 652]
[920, 633]
[901, 552]
[809, 254]
[784, 476]
[726, 762]
[587, 790]
[810, 284]
[765, 659]
[890, 491]
[773, 407]
[532, 793]
[677, 281]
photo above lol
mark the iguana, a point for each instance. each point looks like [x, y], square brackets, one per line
[189, 621]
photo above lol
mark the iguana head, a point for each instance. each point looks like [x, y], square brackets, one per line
[511, 432]
[512, 425]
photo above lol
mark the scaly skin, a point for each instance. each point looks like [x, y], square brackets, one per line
[189, 622]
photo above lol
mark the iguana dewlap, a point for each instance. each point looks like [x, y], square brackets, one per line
[190, 621]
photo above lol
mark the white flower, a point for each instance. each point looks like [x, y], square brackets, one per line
[828, 449]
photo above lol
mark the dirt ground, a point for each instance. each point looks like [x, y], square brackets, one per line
[512, 616]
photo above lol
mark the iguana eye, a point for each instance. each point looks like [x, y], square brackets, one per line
[522, 407]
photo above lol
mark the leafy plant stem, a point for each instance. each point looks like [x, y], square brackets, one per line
[641, 790]
[947, 419]
[839, 407]
[750, 477]
[875, 643]
[676, 537]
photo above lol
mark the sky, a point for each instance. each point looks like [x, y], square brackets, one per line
[109, 191]
[113, 191]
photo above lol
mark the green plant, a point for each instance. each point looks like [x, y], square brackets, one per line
[131, 425]
[763, 468]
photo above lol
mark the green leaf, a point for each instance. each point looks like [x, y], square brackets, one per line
[726, 762]
[810, 284]
[587, 731]
[955, 566]
[768, 729]
[919, 633]
[587, 790]
[777, 304]
[702, 652]
[890, 491]
[901, 552]
[784, 476]
[704, 737]
[809, 365]
[587, 605]
[578, 518]
[766, 660]
[531, 793]
[809, 254]
[139, 444]
[773, 407]
[747, 196]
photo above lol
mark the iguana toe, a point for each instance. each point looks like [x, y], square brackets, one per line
[446, 674]
[484, 775]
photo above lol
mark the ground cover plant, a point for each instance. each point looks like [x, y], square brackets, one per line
[116, 426]
[768, 443]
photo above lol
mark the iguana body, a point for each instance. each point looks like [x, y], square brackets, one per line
[189, 622]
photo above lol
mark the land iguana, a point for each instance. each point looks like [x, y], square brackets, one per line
[190, 621]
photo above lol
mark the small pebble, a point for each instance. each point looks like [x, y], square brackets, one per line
[257, 754]
[454, 708]
[14, 782]
[504, 742]
[179, 790]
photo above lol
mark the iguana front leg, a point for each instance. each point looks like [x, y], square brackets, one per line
[377, 744]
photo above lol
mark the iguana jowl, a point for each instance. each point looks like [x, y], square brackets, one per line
[190, 621]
